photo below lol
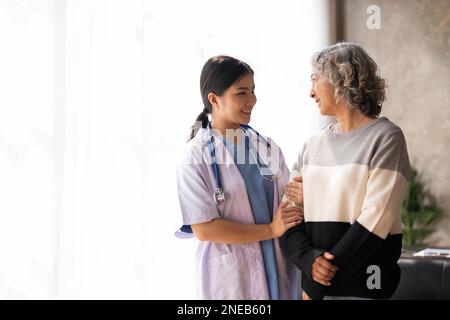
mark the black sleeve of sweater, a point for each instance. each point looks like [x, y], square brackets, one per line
[302, 253]
[353, 251]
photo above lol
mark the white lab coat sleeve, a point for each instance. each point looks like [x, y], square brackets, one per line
[196, 199]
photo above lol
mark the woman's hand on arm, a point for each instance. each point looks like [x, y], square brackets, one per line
[294, 191]
[285, 218]
[230, 232]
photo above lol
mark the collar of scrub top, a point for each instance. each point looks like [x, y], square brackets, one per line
[219, 195]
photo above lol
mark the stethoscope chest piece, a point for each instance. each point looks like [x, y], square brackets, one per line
[219, 196]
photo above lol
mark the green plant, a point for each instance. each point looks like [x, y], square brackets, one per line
[417, 213]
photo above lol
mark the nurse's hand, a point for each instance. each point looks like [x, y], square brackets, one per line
[285, 218]
[294, 191]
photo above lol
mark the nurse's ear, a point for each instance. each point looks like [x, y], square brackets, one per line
[213, 99]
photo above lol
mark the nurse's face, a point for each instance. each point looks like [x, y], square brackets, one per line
[235, 105]
[323, 93]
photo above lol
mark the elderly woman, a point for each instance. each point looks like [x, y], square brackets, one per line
[355, 172]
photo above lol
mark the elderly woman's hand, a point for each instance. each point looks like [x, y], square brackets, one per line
[294, 191]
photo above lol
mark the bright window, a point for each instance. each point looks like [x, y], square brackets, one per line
[97, 97]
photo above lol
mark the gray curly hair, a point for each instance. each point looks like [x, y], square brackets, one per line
[354, 75]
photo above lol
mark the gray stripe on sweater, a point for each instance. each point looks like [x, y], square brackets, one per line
[380, 144]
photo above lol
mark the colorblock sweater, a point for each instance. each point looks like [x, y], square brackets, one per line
[354, 184]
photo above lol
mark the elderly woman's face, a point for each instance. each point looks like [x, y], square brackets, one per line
[323, 93]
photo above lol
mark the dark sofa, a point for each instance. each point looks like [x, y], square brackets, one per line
[423, 278]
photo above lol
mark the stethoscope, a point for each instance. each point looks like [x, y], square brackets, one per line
[219, 194]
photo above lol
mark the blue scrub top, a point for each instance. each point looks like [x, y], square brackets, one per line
[260, 192]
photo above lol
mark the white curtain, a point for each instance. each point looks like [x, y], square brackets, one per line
[96, 99]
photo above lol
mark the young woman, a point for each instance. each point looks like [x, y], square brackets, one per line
[230, 182]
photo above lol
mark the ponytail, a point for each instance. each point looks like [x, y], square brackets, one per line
[203, 118]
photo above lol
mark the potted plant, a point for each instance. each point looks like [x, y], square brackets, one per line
[418, 213]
